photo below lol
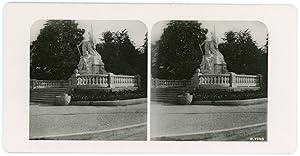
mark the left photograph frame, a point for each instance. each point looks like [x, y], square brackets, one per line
[88, 80]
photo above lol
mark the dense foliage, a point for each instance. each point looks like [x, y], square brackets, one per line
[242, 54]
[120, 56]
[54, 55]
[105, 95]
[215, 95]
[177, 54]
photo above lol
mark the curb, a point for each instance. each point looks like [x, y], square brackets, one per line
[110, 103]
[230, 134]
[111, 134]
[232, 102]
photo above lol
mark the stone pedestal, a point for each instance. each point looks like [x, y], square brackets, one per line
[220, 69]
[98, 69]
[195, 79]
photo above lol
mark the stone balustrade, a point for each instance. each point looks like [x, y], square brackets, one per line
[213, 81]
[104, 81]
[230, 80]
[160, 83]
[219, 80]
[124, 81]
[90, 81]
[248, 80]
[34, 84]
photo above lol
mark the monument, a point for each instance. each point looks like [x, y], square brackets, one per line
[212, 61]
[90, 61]
[91, 73]
[213, 73]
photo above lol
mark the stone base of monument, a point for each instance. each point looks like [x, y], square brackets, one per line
[220, 69]
[98, 69]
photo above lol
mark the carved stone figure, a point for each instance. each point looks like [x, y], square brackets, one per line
[90, 61]
[212, 61]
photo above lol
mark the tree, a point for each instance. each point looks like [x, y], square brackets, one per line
[118, 52]
[178, 50]
[54, 54]
[242, 54]
[120, 56]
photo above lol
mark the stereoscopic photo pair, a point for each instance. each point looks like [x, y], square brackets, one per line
[89, 80]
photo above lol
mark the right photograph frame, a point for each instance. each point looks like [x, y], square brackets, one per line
[209, 81]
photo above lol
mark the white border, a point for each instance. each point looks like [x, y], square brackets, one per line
[279, 19]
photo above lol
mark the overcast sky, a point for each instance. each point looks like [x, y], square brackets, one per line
[136, 30]
[258, 30]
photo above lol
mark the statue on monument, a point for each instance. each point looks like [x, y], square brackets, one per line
[212, 61]
[90, 62]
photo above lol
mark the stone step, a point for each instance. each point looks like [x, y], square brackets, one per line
[165, 91]
[43, 101]
[45, 95]
[163, 97]
[163, 100]
[47, 91]
[165, 94]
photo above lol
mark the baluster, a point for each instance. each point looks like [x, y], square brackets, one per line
[86, 80]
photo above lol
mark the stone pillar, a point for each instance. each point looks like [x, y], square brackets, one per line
[73, 79]
[233, 80]
[111, 80]
[261, 81]
[195, 81]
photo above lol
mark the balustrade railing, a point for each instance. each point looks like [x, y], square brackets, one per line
[215, 80]
[105, 80]
[230, 80]
[124, 81]
[34, 84]
[90, 81]
[247, 81]
[162, 83]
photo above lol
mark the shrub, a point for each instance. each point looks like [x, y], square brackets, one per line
[214, 94]
[105, 95]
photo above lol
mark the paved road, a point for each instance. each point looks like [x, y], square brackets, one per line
[55, 120]
[177, 119]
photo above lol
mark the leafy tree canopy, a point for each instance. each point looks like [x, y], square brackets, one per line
[121, 56]
[242, 54]
[54, 54]
[177, 52]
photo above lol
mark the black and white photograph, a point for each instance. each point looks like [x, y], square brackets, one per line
[88, 80]
[209, 81]
[149, 78]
